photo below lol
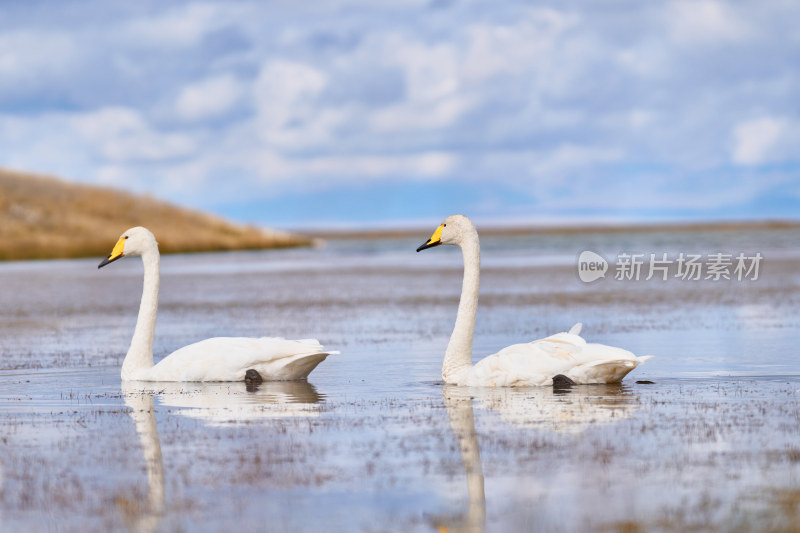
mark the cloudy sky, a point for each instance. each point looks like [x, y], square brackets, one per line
[355, 112]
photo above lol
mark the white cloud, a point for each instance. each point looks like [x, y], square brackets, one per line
[108, 123]
[434, 163]
[114, 176]
[272, 166]
[285, 88]
[514, 48]
[641, 118]
[755, 139]
[34, 58]
[288, 112]
[411, 116]
[646, 60]
[47, 145]
[179, 27]
[435, 97]
[564, 158]
[122, 135]
[209, 98]
[416, 165]
[327, 95]
[705, 21]
[431, 72]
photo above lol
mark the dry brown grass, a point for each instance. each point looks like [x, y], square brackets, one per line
[45, 218]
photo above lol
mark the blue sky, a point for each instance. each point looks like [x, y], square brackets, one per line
[358, 113]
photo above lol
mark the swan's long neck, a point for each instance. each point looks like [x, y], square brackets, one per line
[458, 357]
[140, 354]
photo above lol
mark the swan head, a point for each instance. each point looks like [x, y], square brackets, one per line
[453, 230]
[135, 241]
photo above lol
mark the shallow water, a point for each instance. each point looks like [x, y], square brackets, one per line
[374, 442]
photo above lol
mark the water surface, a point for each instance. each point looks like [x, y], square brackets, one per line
[374, 441]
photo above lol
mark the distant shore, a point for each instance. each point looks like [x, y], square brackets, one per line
[567, 229]
[42, 217]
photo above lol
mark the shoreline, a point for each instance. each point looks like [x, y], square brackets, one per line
[85, 253]
[511, 230]
[43, 217]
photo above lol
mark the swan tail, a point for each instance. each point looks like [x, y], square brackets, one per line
[301, 367]
[576, 329]
[290, 368]
[290, 359]
[643, 358]
[602, 371]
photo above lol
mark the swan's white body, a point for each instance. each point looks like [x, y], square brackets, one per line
[568, 354]
[215, 359]
[531, 364]
[228, 358]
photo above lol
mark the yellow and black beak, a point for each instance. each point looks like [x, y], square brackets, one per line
[435, 240]
[115, 254]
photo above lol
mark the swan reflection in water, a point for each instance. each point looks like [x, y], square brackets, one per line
[566, 411]
[145, 516]
[458, 402]
[217, 404]
[225, 404]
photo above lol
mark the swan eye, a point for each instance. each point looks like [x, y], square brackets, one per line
[126, 236]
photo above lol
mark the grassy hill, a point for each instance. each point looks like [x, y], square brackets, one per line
[46, 218]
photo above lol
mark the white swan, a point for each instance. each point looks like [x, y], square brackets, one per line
[563, 355]
[216, 359]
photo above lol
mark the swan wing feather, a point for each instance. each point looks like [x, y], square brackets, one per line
[535, 363]
[228, 358]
